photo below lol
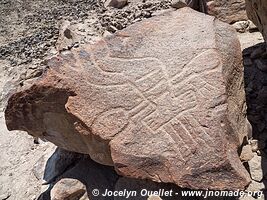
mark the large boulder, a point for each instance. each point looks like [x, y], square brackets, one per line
[161, 100]
[257, 12]
[68, 188]
[229, 11]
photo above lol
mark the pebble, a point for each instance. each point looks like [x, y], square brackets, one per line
[76, 45]
[68, 188]
[107, 34]
[178, 4]
[254, 145]
[154, 198]
[241, 26]
[112, 29]
[256, 168]
[116, 3]
[255, 186]
[252, 26]
[246, 153]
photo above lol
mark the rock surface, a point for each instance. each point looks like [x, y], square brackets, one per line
[257, 12]
[68, 189]
[85, 177]
[246, 153]
[147, 104]
[229, 11]
[256, 168]
[241, 26]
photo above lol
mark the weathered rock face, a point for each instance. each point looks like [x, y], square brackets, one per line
[229, 11]
[68, 189]
[154, 100]
[257, 12]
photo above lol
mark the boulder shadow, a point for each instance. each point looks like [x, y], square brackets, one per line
[64, 165]
[255, 79]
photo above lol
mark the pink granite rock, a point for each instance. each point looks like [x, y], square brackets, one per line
[161, 100]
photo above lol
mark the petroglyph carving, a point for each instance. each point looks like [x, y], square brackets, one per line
[154, 100]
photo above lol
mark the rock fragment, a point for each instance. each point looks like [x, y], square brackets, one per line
[229, 11]
[241, 26]
[68, 188]
[246, 153]
[116, 3]
[255, 165]
[179, 4]
[254, 145]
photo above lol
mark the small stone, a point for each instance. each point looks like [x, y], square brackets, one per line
[256, 11]
[76, 45]
[255, 166]
[67, 33]
[137, 20]
[257, 188]
[252, 26]
[146, 14]
[258, 153]
[44, 187]
[249, 129]
[254, 145]
[229, 11]
[116, 3]
[107, 34]
[138, 14]
[178, 4]
[66, 36]
[112, 29]
[81, 30]
[246, 153]
[68, 188]
[198, 5]
[241, 26]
